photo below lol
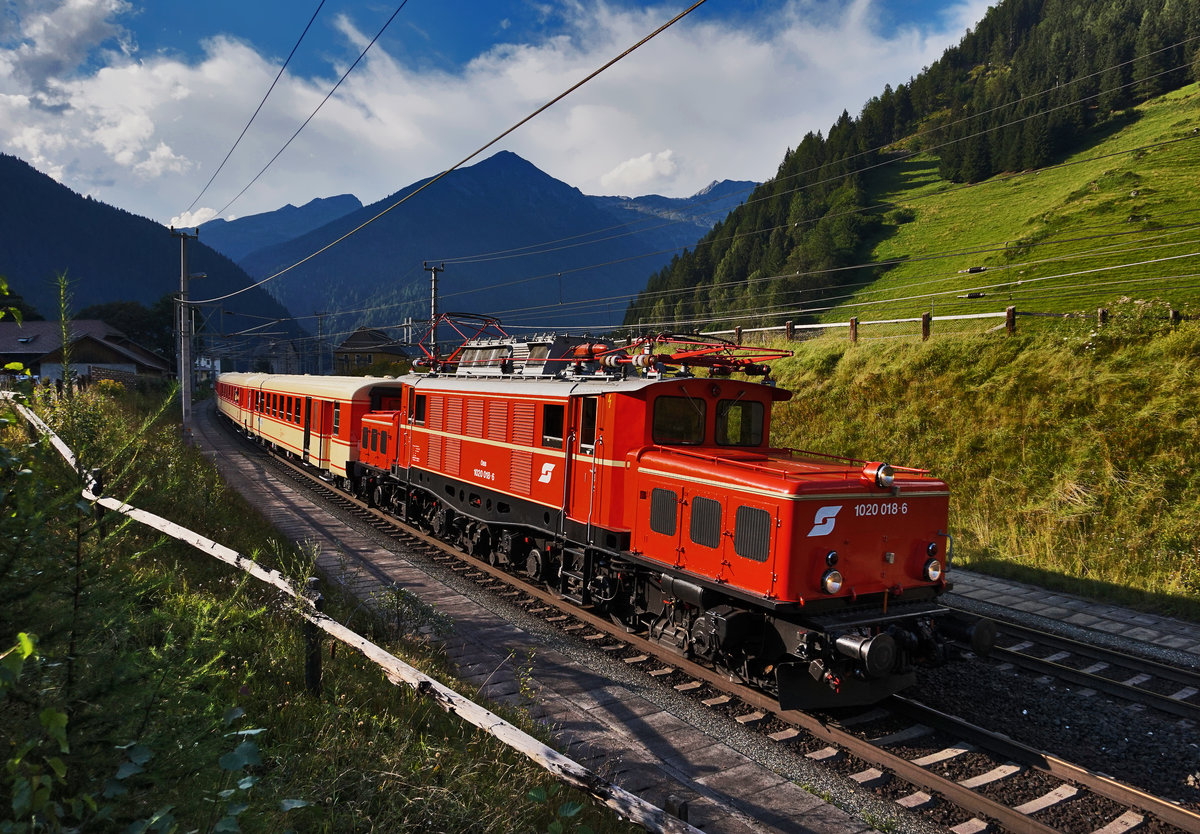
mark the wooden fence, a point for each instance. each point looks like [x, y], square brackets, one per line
[628, 805]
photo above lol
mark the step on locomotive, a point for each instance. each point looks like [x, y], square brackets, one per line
[638, 479]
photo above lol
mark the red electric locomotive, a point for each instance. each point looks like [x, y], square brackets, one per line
[632, 486]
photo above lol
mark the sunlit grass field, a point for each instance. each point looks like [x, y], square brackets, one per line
[1118, 219]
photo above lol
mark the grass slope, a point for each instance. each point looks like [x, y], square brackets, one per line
[1057, 239]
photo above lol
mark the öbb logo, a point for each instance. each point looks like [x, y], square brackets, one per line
[824, 520]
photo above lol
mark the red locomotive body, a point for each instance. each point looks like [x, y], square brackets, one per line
[652, 497]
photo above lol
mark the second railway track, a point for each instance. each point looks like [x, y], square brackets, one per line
[1051, 794]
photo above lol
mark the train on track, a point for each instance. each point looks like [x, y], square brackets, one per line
[637, 479]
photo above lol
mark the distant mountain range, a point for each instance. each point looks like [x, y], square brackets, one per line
[515, 242]
[107, 254]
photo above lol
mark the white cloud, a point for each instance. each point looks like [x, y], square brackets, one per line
[631, 175]
[725, 98]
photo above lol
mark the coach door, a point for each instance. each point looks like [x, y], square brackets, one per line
[308, 406]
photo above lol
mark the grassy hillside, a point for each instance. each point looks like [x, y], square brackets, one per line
[1072, 451]
[1064, 238]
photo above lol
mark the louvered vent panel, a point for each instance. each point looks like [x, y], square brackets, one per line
[453, 455]
[436, 412]
[498, 420]
[454, 415]
[522, 471]
[475, 418]
[523, 424]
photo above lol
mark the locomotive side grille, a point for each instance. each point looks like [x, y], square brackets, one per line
[475, 418]
[522, 471]
[497, 420]
[453, 455]
[454, 415]
[435, 451]
[523, 424]
[664, 511]
[752, 533]
[705, 523]
[436, 411]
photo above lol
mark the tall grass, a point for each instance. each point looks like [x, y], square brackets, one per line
[187, 709]
[1072, 450]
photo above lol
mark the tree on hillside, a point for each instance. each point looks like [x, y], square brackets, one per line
[151, 327]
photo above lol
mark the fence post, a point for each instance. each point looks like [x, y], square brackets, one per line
[1102, 316]
[789, 330]
[1010, 320]
[737, 334]
[926, 319]
[312, 640]
[854, 330]
[1176, 317]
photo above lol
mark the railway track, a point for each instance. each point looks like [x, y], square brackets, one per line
[950, 771]
[1138, 680]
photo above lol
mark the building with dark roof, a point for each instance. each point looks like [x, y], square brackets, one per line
[96, 350]
[364, 347]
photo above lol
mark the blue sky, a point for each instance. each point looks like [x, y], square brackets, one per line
[136, 102]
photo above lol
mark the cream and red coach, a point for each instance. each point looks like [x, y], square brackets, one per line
[629, 485]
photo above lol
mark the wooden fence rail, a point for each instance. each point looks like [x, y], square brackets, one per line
[628, 805]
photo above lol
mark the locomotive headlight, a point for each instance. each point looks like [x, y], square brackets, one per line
[933, 570]
[831, 582]
[879, 474]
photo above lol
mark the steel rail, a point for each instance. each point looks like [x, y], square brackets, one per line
[827, 730]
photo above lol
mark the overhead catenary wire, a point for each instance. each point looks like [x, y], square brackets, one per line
[316, 110]
[773, 195]
[258, 109]
[470, 156]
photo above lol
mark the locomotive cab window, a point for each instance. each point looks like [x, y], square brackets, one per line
[678, 421]
[552, 426]
[587, 425]
[419, 410]
[739, 423]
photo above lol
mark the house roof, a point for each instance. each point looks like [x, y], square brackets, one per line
[36, 339]
[370, 340]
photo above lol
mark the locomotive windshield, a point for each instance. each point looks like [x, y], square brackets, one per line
[739, 423]
[679, 421]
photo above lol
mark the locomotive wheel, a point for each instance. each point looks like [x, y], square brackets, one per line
[377, 497]
[535, 565]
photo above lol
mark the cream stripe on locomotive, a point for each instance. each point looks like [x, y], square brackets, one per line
[501, 444]
[788, 496]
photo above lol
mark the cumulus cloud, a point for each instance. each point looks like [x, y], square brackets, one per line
[709, 99]
[632, 174]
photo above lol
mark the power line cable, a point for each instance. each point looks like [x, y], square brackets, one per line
[257, 109]
[470, 156]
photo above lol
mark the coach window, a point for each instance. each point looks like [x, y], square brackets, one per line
[337, 417]
[419, 410]
[739, 423]
[678, 421]
[552, 426]
[587, 425]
